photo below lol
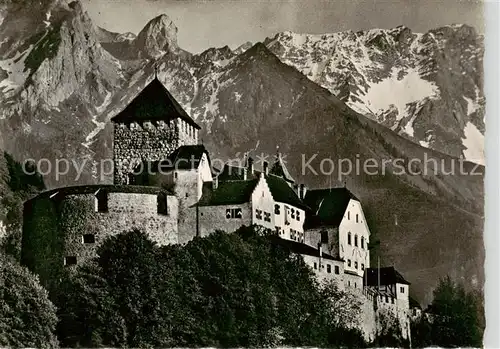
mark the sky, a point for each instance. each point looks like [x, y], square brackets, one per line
[216, 23]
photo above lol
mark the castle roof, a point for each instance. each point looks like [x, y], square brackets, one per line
[388, 276]
[227, 193]
[279, 169]
[186, 157]
[328, 206]
[154, 103]
[282, 192]
[301, 248]
[92, 189]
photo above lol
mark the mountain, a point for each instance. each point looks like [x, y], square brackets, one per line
[63, 78]
[426, 87]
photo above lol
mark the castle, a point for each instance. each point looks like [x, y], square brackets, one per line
[164, 185]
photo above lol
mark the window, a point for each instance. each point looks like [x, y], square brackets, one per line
[161, 204]
[348, 215]
[362, 242]
[348, 283]
[362, 266]
[387, 299]
[392, 300]
[357, 218]
[267, 216]
[315, 265]
[88, 238]
[258, 214]
[187, 194]
[298, 215]
[349, 238]
[328, 268]
[356, 265]
[277, 209]
[101, 198]
[278, 230]
[70, 260]
[402, 289]
[175, 175]
[324, 237]
[348, 262]
[293, 213]
[337, 271]
[233, 213]
[292, 234]
[355, 285]
[301, 237]
[356, 240]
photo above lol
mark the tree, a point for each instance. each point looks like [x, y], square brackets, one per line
[27, 317]
[454, 315]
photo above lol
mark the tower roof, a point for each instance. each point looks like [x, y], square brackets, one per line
[279, 169]
[154, 103]
[328, 205]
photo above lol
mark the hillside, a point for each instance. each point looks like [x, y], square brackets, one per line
[63, 78]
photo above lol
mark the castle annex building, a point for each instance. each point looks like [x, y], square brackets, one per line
[164, 185]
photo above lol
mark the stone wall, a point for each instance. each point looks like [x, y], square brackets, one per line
[147, 141]
[56, 222]
[321, 266]
[312, 237]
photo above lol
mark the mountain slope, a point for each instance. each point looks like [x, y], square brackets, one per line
[426, 87]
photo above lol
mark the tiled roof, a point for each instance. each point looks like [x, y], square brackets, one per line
[328, 206]
[227, 193]
[186, 157]
[279, 169]
[388, 276]
[154, 102]
[300, 248]
[282, 192]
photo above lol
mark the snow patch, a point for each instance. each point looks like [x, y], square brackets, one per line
[398, 91]
[15, 69]
[99, 125]
[473, 142]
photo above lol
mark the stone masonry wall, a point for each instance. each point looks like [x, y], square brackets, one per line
[54, 227]
[212, 218]
[134, 142]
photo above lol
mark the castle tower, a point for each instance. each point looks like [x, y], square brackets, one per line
[150, 128]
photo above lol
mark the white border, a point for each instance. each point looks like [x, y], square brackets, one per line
[491, 238]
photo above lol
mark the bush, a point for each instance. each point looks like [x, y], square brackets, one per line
[224, 290]
[27, 317]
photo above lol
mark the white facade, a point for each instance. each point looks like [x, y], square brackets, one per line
[354, 237]
[289, 221]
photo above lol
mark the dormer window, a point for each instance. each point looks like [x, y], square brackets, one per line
[101, 201]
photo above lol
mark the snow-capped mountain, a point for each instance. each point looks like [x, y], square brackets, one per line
[426, 87]
[62, 79]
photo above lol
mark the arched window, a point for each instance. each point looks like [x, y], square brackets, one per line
[362, 242]
[349, 238]
[356, 240]
[101, 200]
[348, 215]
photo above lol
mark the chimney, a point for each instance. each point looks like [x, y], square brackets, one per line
[265, 168]
[250, 166]
[215, 182]
[302, 191]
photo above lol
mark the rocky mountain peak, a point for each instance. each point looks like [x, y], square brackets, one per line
[158, 37]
